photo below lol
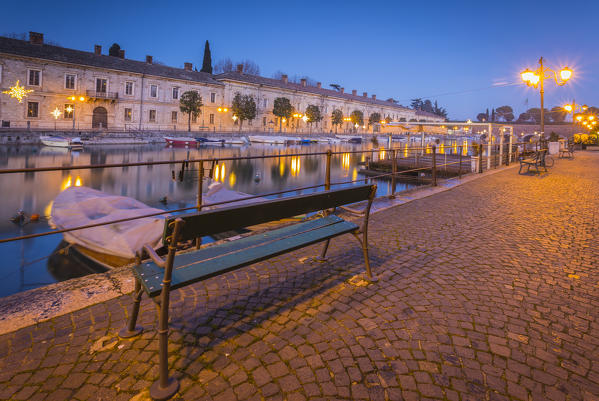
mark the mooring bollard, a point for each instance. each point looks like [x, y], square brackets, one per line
[434, 165]
[393, 173]
[327, 178]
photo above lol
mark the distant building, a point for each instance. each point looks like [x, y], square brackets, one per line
[93, 91]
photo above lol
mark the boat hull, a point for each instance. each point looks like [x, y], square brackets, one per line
[170, 141]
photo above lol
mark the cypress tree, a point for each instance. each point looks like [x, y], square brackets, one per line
[207, 63]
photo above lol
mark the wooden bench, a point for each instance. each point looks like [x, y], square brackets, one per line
[537, 160]
[159, 276]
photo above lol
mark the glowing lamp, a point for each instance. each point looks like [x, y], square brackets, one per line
[527, 75]
[568, 108]
[534, 79]
[565, 73]
[56, 113]
[81, 98]
[591, 118]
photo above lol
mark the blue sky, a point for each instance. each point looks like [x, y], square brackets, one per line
[450, 51]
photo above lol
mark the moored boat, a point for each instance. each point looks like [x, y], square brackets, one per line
[180, 141]
[61, 141]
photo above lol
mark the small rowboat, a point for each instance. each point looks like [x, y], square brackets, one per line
[180, 141]
[61, 141]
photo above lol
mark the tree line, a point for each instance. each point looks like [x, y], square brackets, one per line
[556, 114]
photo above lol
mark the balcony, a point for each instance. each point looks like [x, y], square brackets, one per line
[102, 95]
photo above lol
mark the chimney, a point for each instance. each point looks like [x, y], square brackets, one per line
[354, 92]
[149, 59]
[97, 49]
[187, 66]
[341, 90]
[284, 78]
[365, 94]
[240, 68]
[319, 85]
[373, 97]
[303, 81]
[122, 53]
[36, 38]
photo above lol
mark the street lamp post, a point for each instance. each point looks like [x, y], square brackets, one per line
[72, 109]
[536, 79]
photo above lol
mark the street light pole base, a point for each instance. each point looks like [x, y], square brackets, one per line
[164, 393]
[126, 333]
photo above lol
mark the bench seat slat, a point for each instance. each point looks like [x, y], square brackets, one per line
[214, 260]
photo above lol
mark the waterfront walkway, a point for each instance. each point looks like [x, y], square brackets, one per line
[487, 291]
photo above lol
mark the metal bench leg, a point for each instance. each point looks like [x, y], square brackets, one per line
[166, 387]
[322, 257]
[132, 330]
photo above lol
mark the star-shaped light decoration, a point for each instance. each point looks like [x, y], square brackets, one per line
[18, 92]
[56, 113]
[69, 109]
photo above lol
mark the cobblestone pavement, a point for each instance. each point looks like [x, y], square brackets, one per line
[489, 291]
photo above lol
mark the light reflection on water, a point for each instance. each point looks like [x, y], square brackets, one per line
[34, 192]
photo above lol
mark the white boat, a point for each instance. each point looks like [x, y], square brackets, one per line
[61, 141]
[115, 245]
[277, 140]
[109, 245]
[236, 141]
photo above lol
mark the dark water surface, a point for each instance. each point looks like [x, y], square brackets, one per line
[25, 264]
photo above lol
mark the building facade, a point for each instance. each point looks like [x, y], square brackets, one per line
[72, 89]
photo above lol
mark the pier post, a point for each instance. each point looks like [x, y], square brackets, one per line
[434, 165]
[327, 178]
[393, 173]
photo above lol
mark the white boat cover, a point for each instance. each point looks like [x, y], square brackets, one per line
[79, 206]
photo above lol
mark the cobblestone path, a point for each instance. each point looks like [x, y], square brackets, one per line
[489, 291]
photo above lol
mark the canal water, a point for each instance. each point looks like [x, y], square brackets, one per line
[26, 264]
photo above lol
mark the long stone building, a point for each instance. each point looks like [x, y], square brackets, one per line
[73, 89]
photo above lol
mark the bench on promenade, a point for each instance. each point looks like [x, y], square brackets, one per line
[160, 276]
[537, 160]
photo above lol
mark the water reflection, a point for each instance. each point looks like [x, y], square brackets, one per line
[34, 192]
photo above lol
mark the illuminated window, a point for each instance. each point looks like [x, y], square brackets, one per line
[128, 114]
[34, 77]
[211, 118]
[69, 81]
[32, 109]
[174, 116]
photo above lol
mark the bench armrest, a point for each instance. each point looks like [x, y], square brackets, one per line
[153, 255]
[352, 211]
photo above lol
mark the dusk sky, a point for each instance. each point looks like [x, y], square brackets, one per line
[463, 54]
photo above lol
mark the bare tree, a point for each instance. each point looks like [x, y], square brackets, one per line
[227, 65]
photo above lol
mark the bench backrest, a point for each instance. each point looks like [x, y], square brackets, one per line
[219, 220]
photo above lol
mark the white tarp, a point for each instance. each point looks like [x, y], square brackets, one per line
[79, 206]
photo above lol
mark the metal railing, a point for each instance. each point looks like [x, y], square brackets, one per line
[102, 95]
[393, 155]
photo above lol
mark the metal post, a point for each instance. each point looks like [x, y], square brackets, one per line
[200, 190]
[434, 165]
[327, 178]
[393, 173]
[489, 146]
[501, 142]
[509, 158]
[542, 91]
[460, 165]
[480, 156]
[166, 387]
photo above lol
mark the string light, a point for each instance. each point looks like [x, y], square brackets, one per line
[18, 92]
